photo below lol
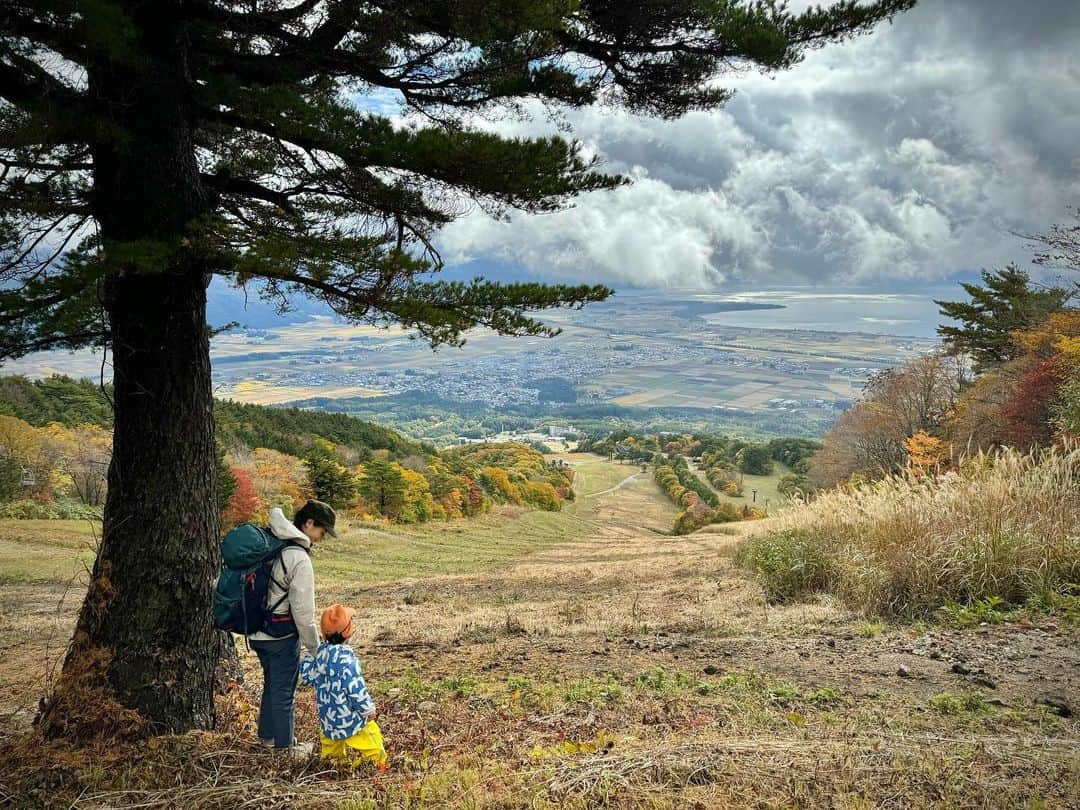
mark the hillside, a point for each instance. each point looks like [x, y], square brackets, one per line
[55, 447]
[289, 430]
[581, 659]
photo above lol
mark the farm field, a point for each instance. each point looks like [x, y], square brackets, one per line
[582, 659]
[641, 351]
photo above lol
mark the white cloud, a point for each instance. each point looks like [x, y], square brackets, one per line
[647, 234]
[909, 153]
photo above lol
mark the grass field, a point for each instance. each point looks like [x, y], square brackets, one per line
[46, 551]
[584, 659]
[765, 485]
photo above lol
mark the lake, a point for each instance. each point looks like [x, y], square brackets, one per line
[876, 313]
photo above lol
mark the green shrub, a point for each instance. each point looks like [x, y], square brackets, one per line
[57, 510]
[790, 564]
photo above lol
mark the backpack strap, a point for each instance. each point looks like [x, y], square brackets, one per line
[280, 556]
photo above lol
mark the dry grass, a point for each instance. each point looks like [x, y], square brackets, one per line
[1006, 525]
[616, 668]
[856, 772]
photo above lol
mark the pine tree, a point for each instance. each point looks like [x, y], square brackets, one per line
[384, 486]
[148, 145]
[1005, 303]
[329, 479]
[226, 481]
[11, 476]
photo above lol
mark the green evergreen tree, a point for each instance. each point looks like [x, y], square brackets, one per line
[1005, 302]
[384, 487]
[11, 473]
[148, 145]
[226, 481]
[56, 399]
[329, 479]
[755, 459]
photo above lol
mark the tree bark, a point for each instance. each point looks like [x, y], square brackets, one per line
[145, 629]
[146, 617]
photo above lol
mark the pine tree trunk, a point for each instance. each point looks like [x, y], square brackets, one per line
[149, 600]
[145, 639]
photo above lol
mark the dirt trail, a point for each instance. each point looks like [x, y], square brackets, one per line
[624, 599]
[631, 668]
[615, 488]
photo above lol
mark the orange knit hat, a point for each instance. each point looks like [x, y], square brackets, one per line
[337, 619]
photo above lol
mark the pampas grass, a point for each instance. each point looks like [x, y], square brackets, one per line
[1003, 525]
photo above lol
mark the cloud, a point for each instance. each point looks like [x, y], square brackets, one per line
[648, 234]
[911, 153]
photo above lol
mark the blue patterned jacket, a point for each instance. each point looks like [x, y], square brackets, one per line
[340, 693]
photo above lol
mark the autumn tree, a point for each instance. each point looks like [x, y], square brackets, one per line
[280, 480]
[417, 504]
[1058, 334]
[925, 452]
[498, 483]
[1027, 413]
[22, 443]
[82, 453]
[1018, 403]
[245, 502]
[868, 439]
[977, 422]
[147, 146]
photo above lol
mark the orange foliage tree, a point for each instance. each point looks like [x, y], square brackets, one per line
[280, 480]
[244, 503]
[925, 452]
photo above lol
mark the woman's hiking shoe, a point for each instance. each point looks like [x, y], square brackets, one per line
[301, 750]
[266, 743]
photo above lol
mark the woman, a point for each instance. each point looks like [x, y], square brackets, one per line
[292, 593]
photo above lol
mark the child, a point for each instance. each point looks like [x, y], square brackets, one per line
[345, 707]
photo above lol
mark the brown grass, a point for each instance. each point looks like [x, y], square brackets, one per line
[1006, 525]
[619, 668]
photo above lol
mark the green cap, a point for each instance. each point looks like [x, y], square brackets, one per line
[322, 513]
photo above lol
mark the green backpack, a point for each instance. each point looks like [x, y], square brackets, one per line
[248, 554]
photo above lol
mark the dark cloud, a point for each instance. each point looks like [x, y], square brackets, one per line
[911, 153]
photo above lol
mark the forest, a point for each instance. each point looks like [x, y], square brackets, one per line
[55, 449]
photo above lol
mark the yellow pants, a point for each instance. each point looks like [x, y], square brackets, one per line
[367, 742]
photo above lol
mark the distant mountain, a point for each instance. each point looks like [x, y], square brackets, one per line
[226, 304]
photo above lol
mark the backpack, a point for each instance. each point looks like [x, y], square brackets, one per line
[248, 554]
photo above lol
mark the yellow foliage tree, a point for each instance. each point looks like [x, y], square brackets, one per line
[82, 455]
[543, 495]
[23, 443]
[925, 452]
[498, 483]
[418, 506]
[1058, 334]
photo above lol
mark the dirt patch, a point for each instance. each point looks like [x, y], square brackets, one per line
[623, 668]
